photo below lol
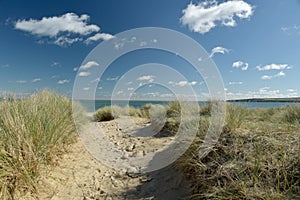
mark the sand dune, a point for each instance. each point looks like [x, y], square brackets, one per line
[79, 175]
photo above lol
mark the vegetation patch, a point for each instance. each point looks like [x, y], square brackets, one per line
[256, 157]
[33, 132]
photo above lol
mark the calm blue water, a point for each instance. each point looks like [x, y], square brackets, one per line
[88, 105]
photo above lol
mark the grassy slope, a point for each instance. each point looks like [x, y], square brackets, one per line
[32, 133]
[256, 157]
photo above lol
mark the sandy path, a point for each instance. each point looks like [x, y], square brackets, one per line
[80, 176]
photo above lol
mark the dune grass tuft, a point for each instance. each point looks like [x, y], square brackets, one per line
[291, 114]
[108, 113]
[104, 114]
[33, 132]
[253, 158]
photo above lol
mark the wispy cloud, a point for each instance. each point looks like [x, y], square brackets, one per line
[273, 67]
[87, 65]
[54, 76]
[66, 41]
[264, 92]
[21, 81]
[84, 74]
[5, 66]
[95, 80]
[235, 83]
[182, 83]
[99, 36]
[202, 17]
[291, 30]
[268, 77]
[267, 91]
[55, 64]
[240, 64]
[220, 50]
[291, 90]
[148, 78]
[61, 82]
[36, 80]
[112, 78]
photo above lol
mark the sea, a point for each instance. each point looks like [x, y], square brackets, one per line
[91, 106]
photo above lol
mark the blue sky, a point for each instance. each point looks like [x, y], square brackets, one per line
[255, 44]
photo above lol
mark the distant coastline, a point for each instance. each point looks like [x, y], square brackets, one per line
[291, 100]
[287, 100]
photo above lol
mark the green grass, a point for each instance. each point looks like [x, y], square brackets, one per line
[33, 132]
[291, 114]
[105, 114]
[256, 157]
[108, 113]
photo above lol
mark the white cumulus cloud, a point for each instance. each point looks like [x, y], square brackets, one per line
[84, 74]
[148, 78]
[240, 64]
[52, 26]
[62, 30]
[65, 41]
[280, 74]
[87, 65]
[266, 77]
[182, 83]
[202, 17]
[99, 36]
[273, 67]
[61, 82]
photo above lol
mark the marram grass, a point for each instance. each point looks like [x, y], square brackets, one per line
[33, 132]
[256, 157]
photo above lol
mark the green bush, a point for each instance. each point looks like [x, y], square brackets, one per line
[105, 114]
